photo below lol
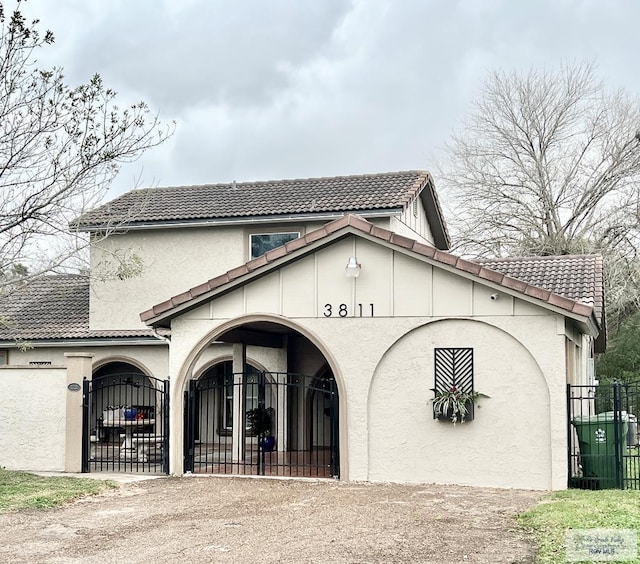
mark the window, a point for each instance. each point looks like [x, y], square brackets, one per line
[4, 357]
[260, 243]
[454, 368]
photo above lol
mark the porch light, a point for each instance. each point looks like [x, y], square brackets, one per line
[353, 268]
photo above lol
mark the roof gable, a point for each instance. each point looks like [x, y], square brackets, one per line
[370, 193]
[163, 312]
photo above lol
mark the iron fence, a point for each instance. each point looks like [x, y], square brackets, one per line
[603, 436]
[262, 423]
[125, 424]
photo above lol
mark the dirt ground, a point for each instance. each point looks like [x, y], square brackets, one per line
[208, 519]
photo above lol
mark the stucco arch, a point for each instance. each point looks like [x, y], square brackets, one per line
[509, 444]
[479, 321]
[185, 372]
[120, 358]
[225, 358]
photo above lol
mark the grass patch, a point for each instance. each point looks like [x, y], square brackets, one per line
[21, 490]
[579, 509]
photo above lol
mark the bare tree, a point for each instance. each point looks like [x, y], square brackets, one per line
[548, 163]
[60, 148]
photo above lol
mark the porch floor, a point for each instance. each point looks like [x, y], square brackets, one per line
[212, 459]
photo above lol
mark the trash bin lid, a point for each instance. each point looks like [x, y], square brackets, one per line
[605, 416]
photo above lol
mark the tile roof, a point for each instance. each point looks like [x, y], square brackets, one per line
[168, 309]
[390, 190]
[578, 277]
[52, 307]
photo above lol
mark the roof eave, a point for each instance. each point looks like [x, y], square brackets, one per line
[435, 217]
[241, 220]
[84, 342]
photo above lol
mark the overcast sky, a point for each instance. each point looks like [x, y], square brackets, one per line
[298, 88]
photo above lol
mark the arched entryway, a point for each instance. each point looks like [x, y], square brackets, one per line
[271, 410]
[125, 420]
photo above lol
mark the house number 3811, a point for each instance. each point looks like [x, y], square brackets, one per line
[342, 310]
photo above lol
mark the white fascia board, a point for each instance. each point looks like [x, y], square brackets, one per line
[225, 222]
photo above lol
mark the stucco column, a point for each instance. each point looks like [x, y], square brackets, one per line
[239, 365]
[78, 368]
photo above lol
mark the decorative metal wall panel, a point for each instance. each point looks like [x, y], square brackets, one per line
[454, 367]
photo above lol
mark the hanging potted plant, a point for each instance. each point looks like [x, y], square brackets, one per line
[260, 424]
[454, 404]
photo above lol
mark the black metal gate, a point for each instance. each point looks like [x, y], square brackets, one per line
[125, 424]
[603, 436]
[262, 423]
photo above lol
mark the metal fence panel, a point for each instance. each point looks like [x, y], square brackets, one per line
[603, 436]
[262, 423]
[126, 424]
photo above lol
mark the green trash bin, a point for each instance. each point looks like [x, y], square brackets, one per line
[596, 437]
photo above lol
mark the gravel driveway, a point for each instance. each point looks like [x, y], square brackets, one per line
[208, 519]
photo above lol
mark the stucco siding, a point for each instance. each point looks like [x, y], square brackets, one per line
[32, 418]
[153, 360]
[508, 444]
[384, 370]
[172, 260]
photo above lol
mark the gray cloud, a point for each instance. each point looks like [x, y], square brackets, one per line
[286, 88]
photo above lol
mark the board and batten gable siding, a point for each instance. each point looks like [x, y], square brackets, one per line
[390, 282]
[415, 226]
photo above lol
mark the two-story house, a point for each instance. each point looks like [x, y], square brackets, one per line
[322, 314]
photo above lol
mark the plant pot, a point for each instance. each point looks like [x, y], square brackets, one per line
[267, 444]
[440, 416]
[130, 413]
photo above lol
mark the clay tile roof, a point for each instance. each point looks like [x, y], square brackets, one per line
[576, 277]
[52, 307]
[390, 190]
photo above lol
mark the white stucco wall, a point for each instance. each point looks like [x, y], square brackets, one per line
[32, 418]
[507, 444]
[383, 364]
[151, 359]
[173, 260]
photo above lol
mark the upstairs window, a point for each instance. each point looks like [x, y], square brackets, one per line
[260, 243]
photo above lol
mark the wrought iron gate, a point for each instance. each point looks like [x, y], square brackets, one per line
[604, 444]
[125, 424]
[262, 423]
